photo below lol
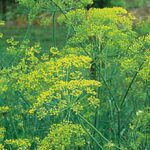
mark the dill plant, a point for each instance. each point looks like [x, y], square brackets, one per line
[93, 94]
[120, 62]
[45, 87]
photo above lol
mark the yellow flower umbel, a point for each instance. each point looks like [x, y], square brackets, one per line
[54, 51]
[94, 26]
[12, 45]
[1, 147]
[4, 109]
[65, 135]
[65, 96]
[61, 83]
[20, 144]
[3, 85]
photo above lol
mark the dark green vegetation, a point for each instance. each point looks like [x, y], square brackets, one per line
[80, 81]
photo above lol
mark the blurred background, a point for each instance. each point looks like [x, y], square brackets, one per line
[9, 9]
[16, 20]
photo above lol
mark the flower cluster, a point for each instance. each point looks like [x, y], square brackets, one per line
[76, 95]
[4, 109]
[12, 45]
[20, 144]
[96, 30]
[62, 89]
[54, 6]
[138, 58]
[65, 135]
[3, 85]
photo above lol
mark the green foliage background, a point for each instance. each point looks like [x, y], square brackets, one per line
[88, 88]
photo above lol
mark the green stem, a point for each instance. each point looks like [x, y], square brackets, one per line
[54, 28]
[130, 84]
[93, 138]
[18, 52]
[119, 126]
[98, 132]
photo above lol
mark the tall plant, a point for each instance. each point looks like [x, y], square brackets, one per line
[120, 61]
[92, 94]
